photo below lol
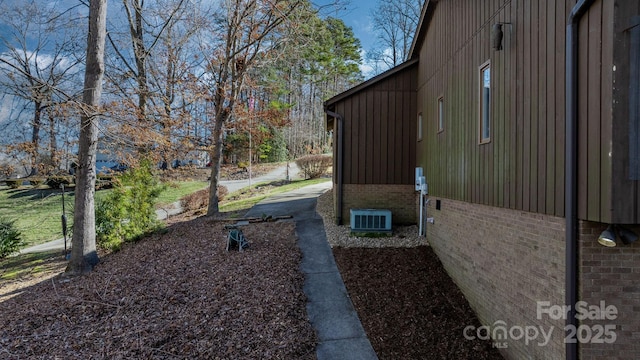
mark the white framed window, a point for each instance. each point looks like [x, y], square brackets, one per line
[441, 114]
[485, 103]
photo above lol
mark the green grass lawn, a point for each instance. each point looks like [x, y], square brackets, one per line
[176, 190]
[37, 212]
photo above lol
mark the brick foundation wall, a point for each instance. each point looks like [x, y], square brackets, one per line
[611, 275]
[504, 261]
[400, 199]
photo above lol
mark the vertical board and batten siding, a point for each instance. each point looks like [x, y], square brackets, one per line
[380, 130]
[625, 196]
[522, 167]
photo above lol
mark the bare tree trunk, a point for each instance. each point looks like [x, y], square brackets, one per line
[35, 138]
[140, 53]
[53, 146]
[216, 160]
[83, 254]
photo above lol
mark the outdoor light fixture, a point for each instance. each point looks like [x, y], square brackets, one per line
[608, 237]
[496, 36]
[627, 236]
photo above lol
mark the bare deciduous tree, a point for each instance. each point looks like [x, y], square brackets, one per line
[395, 23]
[39, 59]
[172, 75]
[152, 73]
[142, 50]
[83, 254]
[243, 28]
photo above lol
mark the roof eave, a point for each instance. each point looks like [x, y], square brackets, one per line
[370, 82]
[422, 28]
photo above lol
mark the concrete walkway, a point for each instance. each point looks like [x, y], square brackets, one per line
[175, 208]
[279, 173]
[340, 333]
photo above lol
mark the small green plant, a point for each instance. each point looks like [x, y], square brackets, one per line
[10, 240]
[128, 212]
[314, 166]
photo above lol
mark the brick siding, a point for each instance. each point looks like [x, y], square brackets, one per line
[504, 261]
[400, 199]
[611, 275]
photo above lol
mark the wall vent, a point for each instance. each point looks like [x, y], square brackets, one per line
[370, 220]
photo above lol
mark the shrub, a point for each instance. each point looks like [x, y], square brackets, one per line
[314, 166]
[222, 192]
[195, 201]
[14, 184]
[200, 199]
[36, 181]
[54, 181]
[128, 212]
[10, 240]
[104, 181]
[243, 165]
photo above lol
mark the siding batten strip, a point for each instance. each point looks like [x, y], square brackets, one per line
[634, 101]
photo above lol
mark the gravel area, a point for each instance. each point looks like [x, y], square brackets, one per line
[338, 236]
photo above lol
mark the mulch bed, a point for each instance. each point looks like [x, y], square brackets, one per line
[176, 295]
[180, 295]
[408, 305]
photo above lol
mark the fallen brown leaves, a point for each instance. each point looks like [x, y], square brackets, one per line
[172, 296]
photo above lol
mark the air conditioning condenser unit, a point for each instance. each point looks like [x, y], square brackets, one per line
[370, 220]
